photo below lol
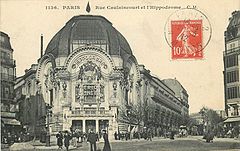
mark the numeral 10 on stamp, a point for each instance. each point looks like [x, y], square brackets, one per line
[186, 39]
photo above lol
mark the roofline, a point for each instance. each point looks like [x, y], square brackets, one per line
[177, 81]
[3, 33]
[98, 17]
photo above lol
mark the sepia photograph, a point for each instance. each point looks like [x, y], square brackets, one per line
[111, 75]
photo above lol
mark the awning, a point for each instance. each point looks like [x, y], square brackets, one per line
[8, 121]
[232, 119]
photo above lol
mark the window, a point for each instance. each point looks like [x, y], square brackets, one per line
[232, 45]
[2, 39]
[80, 43]
[233, 93]
[5, 107]
[51, 97]
[233, 76]
[89, 93]
[235, 112]
[90, 89]
[5, 70]
[231, 61]
[6, 92]
[29, 87]
[11, 71]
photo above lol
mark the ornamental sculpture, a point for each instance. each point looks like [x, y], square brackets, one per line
[90, 71]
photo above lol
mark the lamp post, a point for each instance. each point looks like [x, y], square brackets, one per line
[48, 107]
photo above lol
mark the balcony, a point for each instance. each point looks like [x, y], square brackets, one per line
[83, 113]
[227, 52]
[8, 114]
[165, 100]
[10, 62]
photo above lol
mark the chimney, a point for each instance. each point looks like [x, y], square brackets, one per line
[41, 45]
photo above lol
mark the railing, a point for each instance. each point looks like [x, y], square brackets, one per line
[166, 101]
[226, 52]
[89, 112]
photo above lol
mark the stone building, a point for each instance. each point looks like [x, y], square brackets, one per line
[90, 78]
[180, 93]
[9, 105]
[231, 57]
[32, 109]
[169, 109]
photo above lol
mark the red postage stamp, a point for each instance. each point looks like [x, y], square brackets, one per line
[186, 39]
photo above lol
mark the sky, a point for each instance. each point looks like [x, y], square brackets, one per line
[24, 21]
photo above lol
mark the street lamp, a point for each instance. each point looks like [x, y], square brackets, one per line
[49, 112]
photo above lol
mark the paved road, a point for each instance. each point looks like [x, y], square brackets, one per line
[179, 144]
[160, 144]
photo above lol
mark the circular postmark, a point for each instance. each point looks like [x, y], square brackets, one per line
[187, 31]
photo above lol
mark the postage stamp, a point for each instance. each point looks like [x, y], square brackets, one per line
[186, 39]
[187, 32]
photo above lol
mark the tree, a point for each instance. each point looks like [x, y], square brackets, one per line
[211, 119]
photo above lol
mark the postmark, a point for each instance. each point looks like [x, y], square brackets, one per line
[187, 32]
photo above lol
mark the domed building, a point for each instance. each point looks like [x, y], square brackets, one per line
[86, 72]
[89, 78]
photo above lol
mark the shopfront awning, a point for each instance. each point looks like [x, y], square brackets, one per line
[232, 120]
[8, 121]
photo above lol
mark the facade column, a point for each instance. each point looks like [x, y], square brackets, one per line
[97, 125]
[84, 126]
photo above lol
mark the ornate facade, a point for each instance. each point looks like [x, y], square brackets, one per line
[91, 80]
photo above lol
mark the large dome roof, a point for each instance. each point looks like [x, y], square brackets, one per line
[88, 29]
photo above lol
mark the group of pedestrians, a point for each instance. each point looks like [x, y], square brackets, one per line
[92, 138]
[13, 137]
[67, 137]
[146, 134]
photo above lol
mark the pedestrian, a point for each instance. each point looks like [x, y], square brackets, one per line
[106, 146]
[149, 135]
[122, 136]
[209, 136]
[9, 138]
[84, 136]
[97, 135]
[138, 135]
[59, 137]
[74, 139]
[126, 136]
[21, 137]
[81, 135]
[67, 138]
[115, 135]
[92, 138]
[77, 135]
[172, 133]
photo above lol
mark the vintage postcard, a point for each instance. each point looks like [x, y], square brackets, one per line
[143, 75]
